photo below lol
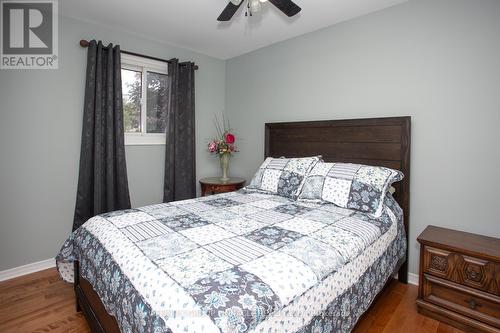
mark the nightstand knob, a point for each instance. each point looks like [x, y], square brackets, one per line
[472, 303]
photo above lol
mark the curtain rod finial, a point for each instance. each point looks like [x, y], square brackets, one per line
[84, 43]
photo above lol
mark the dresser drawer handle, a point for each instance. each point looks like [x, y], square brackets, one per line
[472, 303]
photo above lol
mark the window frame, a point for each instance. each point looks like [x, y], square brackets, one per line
[143, 65]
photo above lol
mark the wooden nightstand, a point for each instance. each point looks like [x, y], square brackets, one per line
[460, 279]
[214, 185]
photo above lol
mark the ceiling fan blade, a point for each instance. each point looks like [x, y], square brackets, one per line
[286, 6]
[229, 11]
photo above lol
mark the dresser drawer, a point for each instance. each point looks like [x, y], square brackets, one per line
[475, 304]
[473, 272]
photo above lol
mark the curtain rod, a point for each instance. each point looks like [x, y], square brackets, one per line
[85, 43]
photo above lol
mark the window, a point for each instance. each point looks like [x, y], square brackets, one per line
[145, 99]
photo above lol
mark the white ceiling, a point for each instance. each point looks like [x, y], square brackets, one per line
[193, 24]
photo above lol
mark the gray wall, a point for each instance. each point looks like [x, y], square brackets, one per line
[435, 60]
[40, 128]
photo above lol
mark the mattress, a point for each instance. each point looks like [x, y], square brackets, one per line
[237, 262]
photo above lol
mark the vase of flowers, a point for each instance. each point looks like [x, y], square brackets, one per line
[223, 146]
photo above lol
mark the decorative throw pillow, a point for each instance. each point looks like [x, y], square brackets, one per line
[283, 176]
[352, 186]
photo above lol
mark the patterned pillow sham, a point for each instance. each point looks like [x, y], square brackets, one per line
[352, 186]
[282, 176]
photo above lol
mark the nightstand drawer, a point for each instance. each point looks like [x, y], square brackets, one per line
[464, 300]
[459, 268]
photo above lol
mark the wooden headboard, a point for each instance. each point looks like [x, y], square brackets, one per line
[373, 141]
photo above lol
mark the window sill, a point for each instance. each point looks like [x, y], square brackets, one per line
[132, 139]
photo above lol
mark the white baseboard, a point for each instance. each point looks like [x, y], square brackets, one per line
[413, 278]
[27, 269]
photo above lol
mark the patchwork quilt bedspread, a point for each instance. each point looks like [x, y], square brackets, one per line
[237, 262]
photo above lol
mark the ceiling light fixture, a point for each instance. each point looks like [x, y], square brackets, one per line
[253, 6]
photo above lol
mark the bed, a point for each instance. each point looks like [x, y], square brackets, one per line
[248, 261]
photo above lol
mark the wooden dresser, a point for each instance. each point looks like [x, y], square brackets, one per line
[460, 279]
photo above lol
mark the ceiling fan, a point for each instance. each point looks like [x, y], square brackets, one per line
[288, 7]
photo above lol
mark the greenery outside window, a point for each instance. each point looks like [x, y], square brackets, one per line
[145, 100]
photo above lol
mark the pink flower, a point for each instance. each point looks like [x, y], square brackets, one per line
[230, 138]
[212, 146]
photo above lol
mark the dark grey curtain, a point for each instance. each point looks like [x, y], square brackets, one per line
[102, 182]
[180, 173]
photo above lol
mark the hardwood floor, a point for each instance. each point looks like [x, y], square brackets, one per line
[41, 302]
[395, 311]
